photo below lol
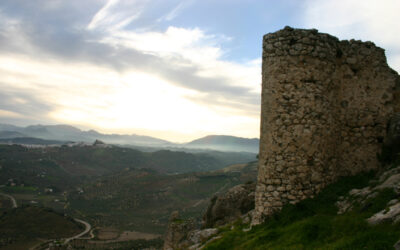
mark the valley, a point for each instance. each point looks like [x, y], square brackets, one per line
[123, 191]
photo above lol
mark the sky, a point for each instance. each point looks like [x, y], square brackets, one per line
[172, 69]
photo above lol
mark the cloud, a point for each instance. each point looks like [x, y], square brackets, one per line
[116, 14]
[175, 11]
[89, 68]
[20, 104]
[372, 20]
[191, 59]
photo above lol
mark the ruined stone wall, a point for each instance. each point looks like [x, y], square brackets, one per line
[325, 105]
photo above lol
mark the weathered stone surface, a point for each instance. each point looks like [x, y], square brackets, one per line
[391, 182]
[343, 206]
[390, 179]
[177, 232]
[183, 234]
[325, 107]
[200, 236]
[230, 206]
[388, 215]
[246, 218]
[360, 192]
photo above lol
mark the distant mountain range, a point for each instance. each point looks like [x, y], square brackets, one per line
[58, 134]
[70, 133]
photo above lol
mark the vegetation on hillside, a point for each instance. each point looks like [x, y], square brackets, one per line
[315, 224]
[143, 200]
[119, 187]
[63, 167]
[27, 224]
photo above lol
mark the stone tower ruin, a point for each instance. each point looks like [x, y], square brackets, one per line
[325, 106]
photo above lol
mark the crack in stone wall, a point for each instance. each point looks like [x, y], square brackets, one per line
[325, 106]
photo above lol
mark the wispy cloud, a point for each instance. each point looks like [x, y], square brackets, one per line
[116, 14]
[175, 11]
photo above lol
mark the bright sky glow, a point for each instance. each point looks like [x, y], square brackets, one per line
[172, 69]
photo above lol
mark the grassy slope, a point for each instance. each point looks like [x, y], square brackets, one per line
[314, 224]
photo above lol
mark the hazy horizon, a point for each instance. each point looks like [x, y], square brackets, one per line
[87, 129]
[174, 70]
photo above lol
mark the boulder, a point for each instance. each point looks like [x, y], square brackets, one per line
[387, 215]
[230, 206]
[200, 236]
[177, 232]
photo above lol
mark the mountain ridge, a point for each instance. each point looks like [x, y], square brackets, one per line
[67, 133]
[70, 133]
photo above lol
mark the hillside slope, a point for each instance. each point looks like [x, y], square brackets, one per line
[61, 167]
[27, 226]
[358, 212]
[143, 200]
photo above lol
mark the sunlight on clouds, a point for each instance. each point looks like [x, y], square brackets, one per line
[61, 80]
[166, 82]
[180, 48]
[193, 47]
[116, 14]
[149, 102]
[93, 96]
[9, 114]
[173, 40]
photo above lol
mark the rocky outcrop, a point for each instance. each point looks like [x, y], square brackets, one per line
[389, 179]
[230, 206]
[198, 237]
[392, 214]
[177, 232]
[325, 107]
[183, 234]
[236, 203]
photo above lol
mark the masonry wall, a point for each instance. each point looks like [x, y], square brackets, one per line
[325, 105]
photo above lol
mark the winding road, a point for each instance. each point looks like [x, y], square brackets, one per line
[48, 242]
[14, 202]
[87, 229]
